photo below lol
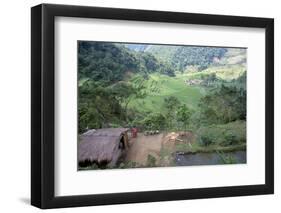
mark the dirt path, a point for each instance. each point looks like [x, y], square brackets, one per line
[144, 145]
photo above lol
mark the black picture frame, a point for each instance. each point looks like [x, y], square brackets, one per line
[43, 117]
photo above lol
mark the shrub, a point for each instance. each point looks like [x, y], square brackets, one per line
[230, 138]
[226, 158]
[207, 137]
[154, 121]
[151, 161]
[127, 164]
[225, 134]
[223, 105]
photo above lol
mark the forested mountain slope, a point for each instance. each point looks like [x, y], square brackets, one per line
[125, 84]
[109, 63]
[181, 57]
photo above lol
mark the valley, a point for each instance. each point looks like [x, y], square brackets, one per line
[180, 90]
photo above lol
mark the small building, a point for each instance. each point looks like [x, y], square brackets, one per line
[102, 146]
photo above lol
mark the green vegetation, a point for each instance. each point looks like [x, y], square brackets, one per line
[224, 134]
[223, 105]
[196, 148]
[151, 161]
[199, 56]
[162, 86]
[165, 88]
[182, 56]
[225, 158]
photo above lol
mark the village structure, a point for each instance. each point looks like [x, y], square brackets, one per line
[106, 147]
[103, 146]
[193, 82]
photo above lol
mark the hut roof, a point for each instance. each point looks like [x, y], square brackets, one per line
[99, 145]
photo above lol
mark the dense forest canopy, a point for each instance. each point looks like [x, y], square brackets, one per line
[105, 62]
[153, 86]
[109, 63]
[182, 56]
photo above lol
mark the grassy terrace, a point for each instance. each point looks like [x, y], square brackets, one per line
[164, 86]
[161, 86]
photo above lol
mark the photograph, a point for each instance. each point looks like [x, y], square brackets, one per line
[160, 105]
[133, 105]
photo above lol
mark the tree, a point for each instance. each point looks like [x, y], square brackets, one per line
[223, 105]
[98, 107]
[154, 121]
[183, 116]
[166, 69]
[200, 56]
[110, 62]
[125, 91]
[171, 103]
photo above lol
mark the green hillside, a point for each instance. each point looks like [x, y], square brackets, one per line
[227, 72]
[182, 100]
[123, 84]
[167, 86]
[176, 86]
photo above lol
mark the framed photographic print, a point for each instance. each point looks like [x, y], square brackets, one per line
[139, 106]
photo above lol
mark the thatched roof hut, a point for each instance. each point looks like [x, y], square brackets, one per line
[102, 146]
